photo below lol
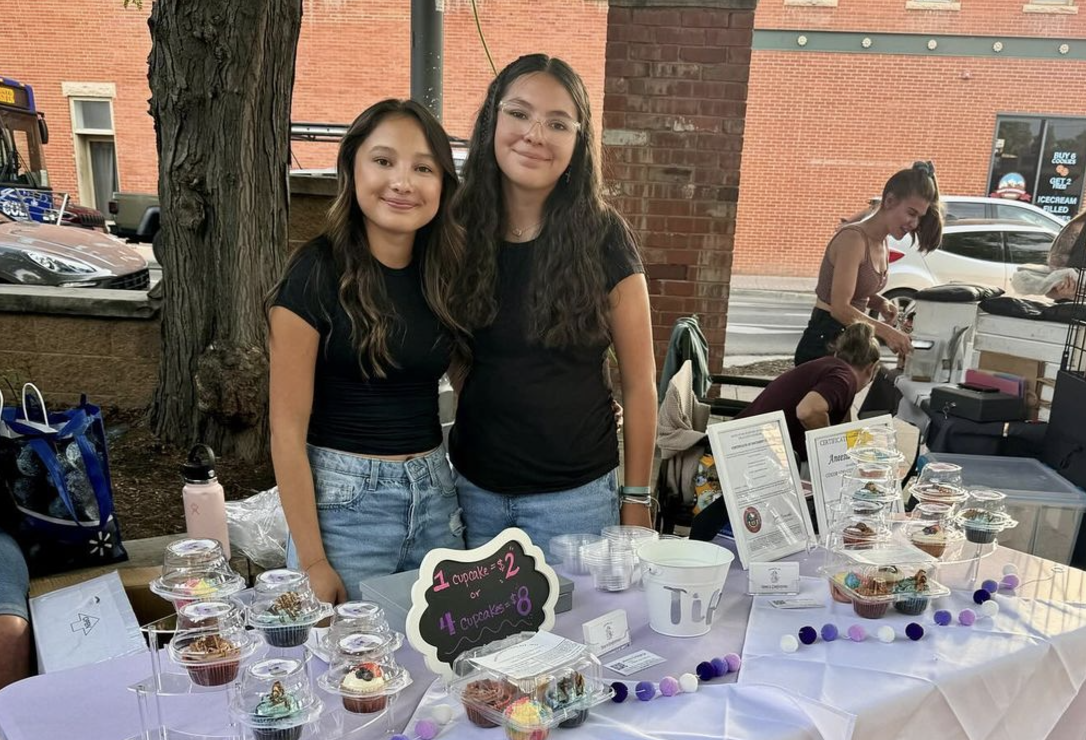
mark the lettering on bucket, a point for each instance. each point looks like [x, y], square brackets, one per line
[691, 602]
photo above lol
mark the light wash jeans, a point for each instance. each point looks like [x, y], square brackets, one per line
[586, 509]
[379, 517]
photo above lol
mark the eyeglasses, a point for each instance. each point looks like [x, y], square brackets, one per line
[519, 119]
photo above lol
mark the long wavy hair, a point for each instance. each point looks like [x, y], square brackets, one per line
[439, 245]
[567, 298]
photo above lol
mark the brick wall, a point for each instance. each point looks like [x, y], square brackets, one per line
[351, 53]
[675, 99]
[825, 130]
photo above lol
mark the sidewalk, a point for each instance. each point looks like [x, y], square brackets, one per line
[799, 289]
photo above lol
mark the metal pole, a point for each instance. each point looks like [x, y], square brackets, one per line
[427, 37]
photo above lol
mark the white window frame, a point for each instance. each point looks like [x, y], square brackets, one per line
[952, 5]
[1053, 7]
[83, 137]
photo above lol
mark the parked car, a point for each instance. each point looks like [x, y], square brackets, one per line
[33, 253]
[135, 216]
[977, 251]
[960, 207]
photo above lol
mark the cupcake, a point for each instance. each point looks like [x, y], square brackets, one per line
[564, 696]
[858, 535]
[980, 525]
[288, 610]
[527, 719]
[932, 539]
[211, 660]
[276, 709]
[486, 693]
[363, 679]
[843, 578]
[870, 600]
[915, 589]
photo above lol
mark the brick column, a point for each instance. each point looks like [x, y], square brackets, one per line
[674, 104]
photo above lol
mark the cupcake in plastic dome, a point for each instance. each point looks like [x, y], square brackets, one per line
[194, 553]
[285, 608]
[941, 473]
[364, 671]
[876, 445]
[186, 585]
[354, 616]
[275, 699]
[984, 516]
[861, 533]
[870, 482]
[211, 642]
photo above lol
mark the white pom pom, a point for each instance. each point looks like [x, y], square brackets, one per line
[989, 608]
[442, 714]
[688, 682]
[1010, 569]
[886, 633]
[789, 643]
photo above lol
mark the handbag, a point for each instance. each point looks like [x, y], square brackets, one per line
[54, 471]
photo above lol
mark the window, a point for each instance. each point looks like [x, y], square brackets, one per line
[1029, 216]
[1028, 248]
[95, 151]
[976, 245]
[955, 211]
[1041, 161]
[1050, 6]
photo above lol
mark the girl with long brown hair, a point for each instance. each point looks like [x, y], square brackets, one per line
[552, 279]
[360, 334]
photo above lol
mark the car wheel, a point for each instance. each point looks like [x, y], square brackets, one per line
[905, 300]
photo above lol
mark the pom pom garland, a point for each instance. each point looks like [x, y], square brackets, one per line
[989, 608]
[1011, 581]
[914, 631]
[734, 661]
[943, 617]
[1010, 569]
[789, 643]
[857, 633]
[670, 686]
[829, 632]
[807, 635]
[645, 690]
[967, 617]
[981, 595]
[720, 666]
[886, 634]
[705, 671]
[990, 586]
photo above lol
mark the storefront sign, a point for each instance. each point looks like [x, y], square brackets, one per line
[465, 599]
[1063, 162]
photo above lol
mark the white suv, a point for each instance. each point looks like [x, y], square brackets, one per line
[976, 251]
[958, 207]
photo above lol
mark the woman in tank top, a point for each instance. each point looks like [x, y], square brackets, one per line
[855, 265]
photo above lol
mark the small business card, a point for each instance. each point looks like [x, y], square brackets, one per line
[795, 603]
[634, 662]
[773, 578]
[608, 632]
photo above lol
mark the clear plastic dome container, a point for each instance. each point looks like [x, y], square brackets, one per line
[363, 671]
[225, 615]
[194, 553]
[862, 472]
[185, 585]
[941, 474]
[566, 549]
[354, 616]
[873, 589]
[984, 516]
[861, 533]
[531, 700]
[932, 536]
[285, 608]
[857, 486]
[213, 656]
[613, 565]
[275, 699]
[938, 493]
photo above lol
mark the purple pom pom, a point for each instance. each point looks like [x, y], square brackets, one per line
[705, 671]
[645, 690]
[943, 617]
[829, 632]
[426, 729]
[1011, 581]
[980, 596]
[807, 635]
[990, 586]
[621, 692]
[734, 661]
[914, 631]
[400, 737]
[669, 686]
[720, 667]
[857, 633]
[967, 617]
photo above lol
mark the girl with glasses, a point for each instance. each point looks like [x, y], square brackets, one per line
[552, 280]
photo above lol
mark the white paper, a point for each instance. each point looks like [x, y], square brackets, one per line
[634, 662]
[773, 578]
[85, 623]
[892, 553]
[827, 456]
[608, 632]
[761, 486]
[543, 653]
[797, 603]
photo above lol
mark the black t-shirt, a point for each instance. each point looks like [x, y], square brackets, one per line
[829, 377]
[394, 415]
[533, 419]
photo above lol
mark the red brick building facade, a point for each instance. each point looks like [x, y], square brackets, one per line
[350, 54]
[845, 92]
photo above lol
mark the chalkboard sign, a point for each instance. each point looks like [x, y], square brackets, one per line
[465, 599]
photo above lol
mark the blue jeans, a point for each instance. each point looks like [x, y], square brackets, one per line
[586, 509]
[14, 579]
[378, 517]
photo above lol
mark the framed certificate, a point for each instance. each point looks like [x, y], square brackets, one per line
[827, 456]
[760, 482]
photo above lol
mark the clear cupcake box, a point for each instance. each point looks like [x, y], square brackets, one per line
[364, 671]
[529, 684]
[284, 608]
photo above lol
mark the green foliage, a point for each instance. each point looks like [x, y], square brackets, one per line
[137, 4]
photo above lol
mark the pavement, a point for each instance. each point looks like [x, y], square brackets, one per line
[785, 289]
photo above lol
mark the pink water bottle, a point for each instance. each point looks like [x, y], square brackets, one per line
[205, 503]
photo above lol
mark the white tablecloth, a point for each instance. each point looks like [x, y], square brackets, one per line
[1037, 664]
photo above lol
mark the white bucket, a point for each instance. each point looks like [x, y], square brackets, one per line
[684, 582]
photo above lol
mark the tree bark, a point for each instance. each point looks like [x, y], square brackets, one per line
[221, 75]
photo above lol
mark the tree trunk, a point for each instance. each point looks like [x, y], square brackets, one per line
[221, 76]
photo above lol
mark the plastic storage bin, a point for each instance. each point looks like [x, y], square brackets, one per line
[1048, 507]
